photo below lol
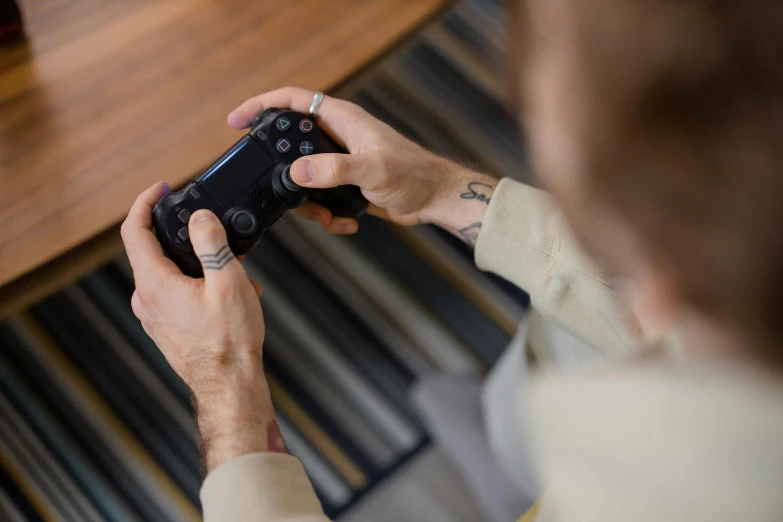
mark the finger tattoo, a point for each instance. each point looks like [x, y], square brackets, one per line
[218, 260]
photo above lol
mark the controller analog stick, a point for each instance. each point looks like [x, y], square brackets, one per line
[288, 183]
[244, 223]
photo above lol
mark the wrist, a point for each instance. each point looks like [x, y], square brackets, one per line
[462, 199]
[235, 417]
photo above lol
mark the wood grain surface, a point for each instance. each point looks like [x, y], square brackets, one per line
[107, 97]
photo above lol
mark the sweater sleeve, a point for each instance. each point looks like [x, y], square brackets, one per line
[272, 487]
[524, 239]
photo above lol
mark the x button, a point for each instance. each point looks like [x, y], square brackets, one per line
[306, 148]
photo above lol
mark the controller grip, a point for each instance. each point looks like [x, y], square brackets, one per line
[343, 201]
[184, 258]
[188, 262]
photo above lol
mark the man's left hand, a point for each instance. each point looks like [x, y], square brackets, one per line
[210, 330]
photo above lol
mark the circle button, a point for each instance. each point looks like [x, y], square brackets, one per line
[244, 224]
[306, 126]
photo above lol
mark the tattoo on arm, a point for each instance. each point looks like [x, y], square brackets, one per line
[470, 233]
[478, 191]
[218, 260]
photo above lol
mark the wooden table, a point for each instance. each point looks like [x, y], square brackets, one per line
[107, 97]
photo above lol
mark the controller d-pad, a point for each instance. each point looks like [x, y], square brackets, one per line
[283, 146]
[306, 147]
[184, 215]
[306, 126]
[183, 234]
[282, 123]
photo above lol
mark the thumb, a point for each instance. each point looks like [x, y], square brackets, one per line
[332, 170]
[211, 246]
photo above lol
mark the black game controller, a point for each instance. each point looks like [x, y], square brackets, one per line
[250, 186]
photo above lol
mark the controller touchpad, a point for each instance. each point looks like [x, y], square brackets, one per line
[234, 172]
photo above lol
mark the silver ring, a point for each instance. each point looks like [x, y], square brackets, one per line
[317, 99]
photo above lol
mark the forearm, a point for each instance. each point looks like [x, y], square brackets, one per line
[236, 417]
[250, 475]
[462, 202]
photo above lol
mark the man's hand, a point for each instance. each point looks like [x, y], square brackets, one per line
[210, 330]
[404, 183]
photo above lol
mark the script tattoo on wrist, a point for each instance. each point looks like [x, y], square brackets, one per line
[478, 191]
[470, 233]
[218, 260]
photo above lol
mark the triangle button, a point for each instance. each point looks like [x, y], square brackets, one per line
[283, 123]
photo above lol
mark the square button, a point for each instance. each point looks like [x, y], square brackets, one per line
[283, 146]
[184, 215]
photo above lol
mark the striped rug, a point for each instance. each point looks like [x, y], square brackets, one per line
[96, 426]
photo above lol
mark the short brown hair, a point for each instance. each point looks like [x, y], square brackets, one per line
[683, 129]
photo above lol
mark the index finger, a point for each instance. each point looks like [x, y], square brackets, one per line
[336, 117]
[144, 252]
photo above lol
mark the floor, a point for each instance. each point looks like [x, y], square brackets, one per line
[428, 488]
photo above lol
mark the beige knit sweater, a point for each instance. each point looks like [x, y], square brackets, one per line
[649, 440]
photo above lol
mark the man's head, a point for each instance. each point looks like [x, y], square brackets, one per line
[658, 125]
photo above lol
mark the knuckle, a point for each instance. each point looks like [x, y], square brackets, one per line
[385, 165]
[125, 230]
[145, 295]
[226, 290]
[335, 169]
[136, 305]
[212, 232]
[350, 107]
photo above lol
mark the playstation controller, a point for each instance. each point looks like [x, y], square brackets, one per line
[249, 188]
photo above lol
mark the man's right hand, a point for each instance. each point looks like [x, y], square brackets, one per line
[404, 182]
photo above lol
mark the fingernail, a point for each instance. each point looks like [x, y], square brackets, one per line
[302, 171]
[166, 189]
[201, 216]
[232, 119]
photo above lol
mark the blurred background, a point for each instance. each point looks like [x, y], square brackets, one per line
[94, 425]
